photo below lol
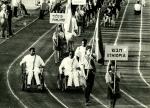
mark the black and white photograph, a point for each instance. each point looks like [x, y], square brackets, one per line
[74, 54]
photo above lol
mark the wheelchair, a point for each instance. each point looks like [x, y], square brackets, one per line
[62, 83]
[33, 82]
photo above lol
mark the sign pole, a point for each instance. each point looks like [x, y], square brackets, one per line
[115, 76]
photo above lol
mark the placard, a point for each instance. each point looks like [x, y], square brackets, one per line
[57, 17]
[116, 52]
[79, 2]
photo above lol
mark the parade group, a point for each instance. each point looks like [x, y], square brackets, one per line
[77, 66]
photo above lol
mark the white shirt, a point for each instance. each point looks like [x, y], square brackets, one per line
[3, 16]
[29, 60]
[137, 7]
[74, 24]
[67, 64]
[80, 52]
[15, 3]
[108, 78]
[87, 62]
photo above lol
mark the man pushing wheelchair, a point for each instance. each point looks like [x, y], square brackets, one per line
[32, 67]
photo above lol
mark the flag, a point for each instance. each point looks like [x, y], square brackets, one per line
[68, 22]
[97, 43]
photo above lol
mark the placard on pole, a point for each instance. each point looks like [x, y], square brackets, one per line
[57, 18]
[79, 2]
[115, 53]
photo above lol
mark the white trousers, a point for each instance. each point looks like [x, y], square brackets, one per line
[30, 76]
[73, 79]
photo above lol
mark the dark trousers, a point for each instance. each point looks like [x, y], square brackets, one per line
[9, 27]
[3, 28]
[24, 9]
[89, 84]
[137, 12]
[41, 14]
[15, 11]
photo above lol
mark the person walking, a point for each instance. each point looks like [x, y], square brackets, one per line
[3, 21]
[9, 20]
[112, 78]
[89, 73]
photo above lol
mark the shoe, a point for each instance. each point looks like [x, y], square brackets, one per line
[86, 104]
[39, 87]
[28, 86]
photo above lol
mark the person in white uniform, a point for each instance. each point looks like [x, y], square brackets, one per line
[137, 8]
[33, 64]
[143, 2]
[69, 68]
[80, 51]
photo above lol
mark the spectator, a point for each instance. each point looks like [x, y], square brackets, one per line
[22, 7]
[137, 8]
[9, 20]
[3, 21]
[43, 8]
[143, 2]
[15, 5]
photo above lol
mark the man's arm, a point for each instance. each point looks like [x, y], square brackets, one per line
[42, 64]
[23, 61]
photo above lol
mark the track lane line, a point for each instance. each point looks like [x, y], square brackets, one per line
[49, 91]
[140, 50]
[20, 29]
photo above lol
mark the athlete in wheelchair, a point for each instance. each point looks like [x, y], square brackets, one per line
[70, 74]
[32, 71]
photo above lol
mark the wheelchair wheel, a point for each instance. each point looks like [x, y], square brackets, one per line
[42, 82]
[62, 82]
[24, 82]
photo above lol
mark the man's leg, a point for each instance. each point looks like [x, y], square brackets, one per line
[29, 78]
[76, 78]
[15, 11]
[87, 92]
[37, 79]
[70, 79]
[24, 9]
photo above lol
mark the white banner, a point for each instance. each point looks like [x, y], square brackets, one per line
[57, 17]
[116, 52]
[79, 2]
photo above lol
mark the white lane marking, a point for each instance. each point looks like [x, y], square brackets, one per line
[115, 43]
[21, 29]
[118, 34]
[56, 98]
[94, 97]
[134, 99]
[140, 50]
[10, 66]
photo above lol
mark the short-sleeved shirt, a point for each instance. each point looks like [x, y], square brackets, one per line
[137, 7]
